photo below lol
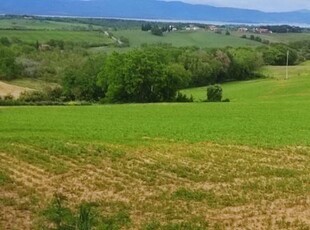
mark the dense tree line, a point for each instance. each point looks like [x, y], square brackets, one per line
[148, 74]
[283, 28]
[156, 73]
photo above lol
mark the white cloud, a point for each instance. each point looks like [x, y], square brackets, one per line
[264, 5]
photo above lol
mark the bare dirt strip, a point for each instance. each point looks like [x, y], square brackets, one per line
[8, 89]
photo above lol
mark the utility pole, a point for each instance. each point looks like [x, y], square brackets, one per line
[287, 56]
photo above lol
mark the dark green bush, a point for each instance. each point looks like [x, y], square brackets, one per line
[214, 93]
[183, 98]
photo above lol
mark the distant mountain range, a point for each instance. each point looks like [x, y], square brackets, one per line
[149, 9]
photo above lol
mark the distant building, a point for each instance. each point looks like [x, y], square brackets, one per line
[192, 28]
[213, 28]
[172, 28]
[262, 31]
[243, 29]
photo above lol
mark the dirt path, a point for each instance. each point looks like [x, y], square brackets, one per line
[15, 91]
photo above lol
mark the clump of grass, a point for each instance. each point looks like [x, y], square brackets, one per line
[156, 225]
[189, 195]
[59, 216]
[117, 221]
[4, 178]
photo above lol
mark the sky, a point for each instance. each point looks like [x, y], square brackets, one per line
[264, 5]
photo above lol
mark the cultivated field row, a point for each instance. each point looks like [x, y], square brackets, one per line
[204, 184]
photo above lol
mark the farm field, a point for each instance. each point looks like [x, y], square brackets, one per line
[278, 37]
[184, 38]
[44, 36]
[238, 165]
[36, 24]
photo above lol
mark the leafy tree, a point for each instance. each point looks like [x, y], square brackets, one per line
[244, 62]
[8, 66]
[201, 65]
[144, 75]
[80, 82]
[276, 54]
[156, 31]
[146, 27]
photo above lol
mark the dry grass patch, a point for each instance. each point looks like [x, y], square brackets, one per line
[8, 89]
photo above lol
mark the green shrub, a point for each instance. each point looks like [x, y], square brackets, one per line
[214, 93]
[183, 98]
[8, 97]
[58, 214]
[33, 96]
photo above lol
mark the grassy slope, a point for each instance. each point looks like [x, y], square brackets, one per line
[43, 36]
[274, 89]
[167, 163]
[31, 83]
[278, 38]
[40, 25]
[184, 38]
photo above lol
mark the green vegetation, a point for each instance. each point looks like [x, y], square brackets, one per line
[203, 39]
[92, 37]
[238, 165]
[214, 93]
[40, 24]
[275, 88]
[278, 38]
[8, 66]
[132, 123]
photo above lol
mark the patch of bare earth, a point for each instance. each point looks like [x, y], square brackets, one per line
[242, 187]
[8, 89]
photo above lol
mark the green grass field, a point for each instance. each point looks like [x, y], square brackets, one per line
[238, 165]
[275, 88]
[278, 38]
[36, 24]
[201, 39]
[185, 38]
[44, 36]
